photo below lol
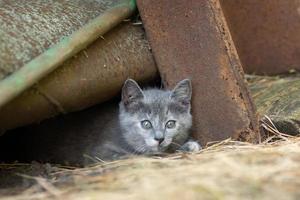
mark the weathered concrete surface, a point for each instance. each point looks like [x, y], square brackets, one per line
[191, 40]
[28, 28]
[266, 33]
[93, 76]
[45, 63]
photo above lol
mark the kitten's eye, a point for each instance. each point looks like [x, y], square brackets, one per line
[146, 124]
[171, 124]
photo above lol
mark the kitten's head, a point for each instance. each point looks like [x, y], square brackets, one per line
[152, 120]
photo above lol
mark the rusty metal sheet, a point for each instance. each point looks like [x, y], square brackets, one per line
[92, 76]
[266, 34]
[191, 40]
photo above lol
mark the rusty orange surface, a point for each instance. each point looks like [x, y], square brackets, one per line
[191, 40]
[266, 34]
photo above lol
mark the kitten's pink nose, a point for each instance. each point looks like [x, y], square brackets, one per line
[159, 139]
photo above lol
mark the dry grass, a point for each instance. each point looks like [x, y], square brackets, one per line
[226, 170]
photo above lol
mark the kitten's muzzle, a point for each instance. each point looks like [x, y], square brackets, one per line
[159, 139]
[159, 136]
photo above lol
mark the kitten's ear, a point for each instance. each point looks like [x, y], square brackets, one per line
[131, 92]
[182, 92]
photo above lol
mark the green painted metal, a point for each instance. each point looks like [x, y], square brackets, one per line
[45, 63]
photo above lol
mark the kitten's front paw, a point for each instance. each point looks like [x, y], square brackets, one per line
[191, 146]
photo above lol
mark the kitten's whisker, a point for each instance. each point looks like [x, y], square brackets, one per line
[176, 144]
[99, 159]
[139, 149]
[144, 149]
[136, 151]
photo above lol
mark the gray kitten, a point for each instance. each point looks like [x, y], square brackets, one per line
[149, 122]
[154, 121]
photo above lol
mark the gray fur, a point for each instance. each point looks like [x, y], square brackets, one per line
[157, 106]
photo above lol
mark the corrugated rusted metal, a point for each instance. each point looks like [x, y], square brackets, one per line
[266, 34]
[94, 75]
[191, 40]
